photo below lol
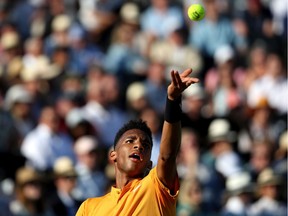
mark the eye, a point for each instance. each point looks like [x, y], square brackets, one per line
[129, 141]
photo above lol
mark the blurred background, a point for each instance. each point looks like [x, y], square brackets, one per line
[73, 71]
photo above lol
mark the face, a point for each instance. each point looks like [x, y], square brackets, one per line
[132, 153]
[32, 190]
[66, 184]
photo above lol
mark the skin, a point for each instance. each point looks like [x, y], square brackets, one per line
[136, 141]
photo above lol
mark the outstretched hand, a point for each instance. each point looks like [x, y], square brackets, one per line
[179, 83]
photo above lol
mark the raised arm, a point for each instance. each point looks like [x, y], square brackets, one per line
[171, 133]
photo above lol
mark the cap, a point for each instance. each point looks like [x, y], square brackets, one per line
[17, 93]
[27, 174]
[85, 144]
[63, 167]
[219, 130]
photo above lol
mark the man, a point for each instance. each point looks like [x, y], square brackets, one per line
[91, 180]
[137, 193]
[62, 200]
[45, 144]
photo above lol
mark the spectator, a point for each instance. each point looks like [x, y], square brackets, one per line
[272, 85]
[30, 198]
[123, 56]
[254, 18]
[260, 158]
[160, 19]
[174, 51]
[261, 122]
[221, 138]
[91, 178]
[268, 203]
[62, 201]
[43, 145]
[197, 113]
[154, 122]
[239, 190]
[155, 84]
[10, 62]
[190, 201]
[220, 83]
[221, 160]
[83, 52]
[100, 111]
[136, 99]
[77, 125]
[59, 36]
[17, 102]
[256, 64]
[189, 164]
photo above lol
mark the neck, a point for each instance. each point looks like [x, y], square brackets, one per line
[122, 179]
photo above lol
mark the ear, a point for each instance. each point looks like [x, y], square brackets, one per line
[113, 155]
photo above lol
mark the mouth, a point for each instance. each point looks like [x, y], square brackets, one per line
[136, 157]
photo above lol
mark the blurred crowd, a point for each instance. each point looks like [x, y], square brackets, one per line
[73, 71]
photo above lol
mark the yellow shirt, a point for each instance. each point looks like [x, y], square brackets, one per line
[141, 197]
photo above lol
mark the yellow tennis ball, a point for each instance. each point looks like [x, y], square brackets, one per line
[196, 12]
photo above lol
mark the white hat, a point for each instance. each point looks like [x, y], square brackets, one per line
[63, 166]
[223, 54]
[85, 144]
[196, 91]
[74, 117]
[40, 68]
[61, 23]
[130, 13]
[239, 183]
[17, 93]
[9, 40]
[268, 177]
[219, 130]
[135, 91]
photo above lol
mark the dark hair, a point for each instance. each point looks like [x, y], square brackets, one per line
[133, 124]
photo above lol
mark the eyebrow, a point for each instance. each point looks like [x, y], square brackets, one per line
[146, 139]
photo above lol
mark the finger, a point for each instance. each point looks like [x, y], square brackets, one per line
[187, 72]
[178, 79]
[194, 80]
[173, 78]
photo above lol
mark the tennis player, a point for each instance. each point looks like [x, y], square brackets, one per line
[140, 190]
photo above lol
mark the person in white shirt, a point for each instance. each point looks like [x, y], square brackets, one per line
[43, 145]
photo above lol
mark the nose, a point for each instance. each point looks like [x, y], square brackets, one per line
[138, 146]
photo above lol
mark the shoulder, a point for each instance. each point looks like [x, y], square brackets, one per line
[152, 177]
[88, 205]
